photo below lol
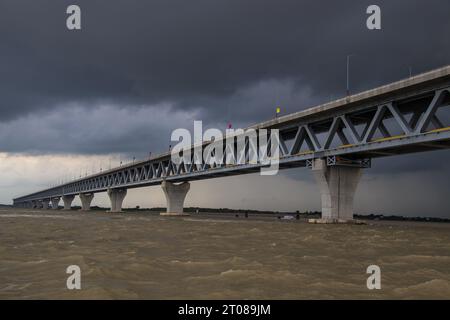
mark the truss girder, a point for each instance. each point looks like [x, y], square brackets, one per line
[299, 142]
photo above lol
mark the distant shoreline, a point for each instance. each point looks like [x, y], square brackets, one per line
[280, 214]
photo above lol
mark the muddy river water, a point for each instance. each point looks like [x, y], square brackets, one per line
[146, 256]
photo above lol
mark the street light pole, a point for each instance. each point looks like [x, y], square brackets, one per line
[348, 74]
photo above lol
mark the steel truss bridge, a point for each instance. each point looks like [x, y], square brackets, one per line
[407, 116]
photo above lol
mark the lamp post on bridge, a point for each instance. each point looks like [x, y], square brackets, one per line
[348, 73]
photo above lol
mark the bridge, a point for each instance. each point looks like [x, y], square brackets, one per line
[336, 140]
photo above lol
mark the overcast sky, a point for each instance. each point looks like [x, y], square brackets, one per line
[74, 101]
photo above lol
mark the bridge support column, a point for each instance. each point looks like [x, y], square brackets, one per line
[45, 204]
[35, 204]
[86, 199]
[337, 186]
[116, 197]
[67, 200]
[55, 203]
[175, 195]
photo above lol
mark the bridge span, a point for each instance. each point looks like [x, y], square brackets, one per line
[335, 140]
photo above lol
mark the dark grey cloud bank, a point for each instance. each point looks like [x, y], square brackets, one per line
[201, 53]
[139, 69]
[222, 60]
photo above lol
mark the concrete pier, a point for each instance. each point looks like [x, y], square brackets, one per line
[175, 195]
[67, 200]
[86, 199]
[116, 197]
[45, 204]
[337, 186]
[55, 202]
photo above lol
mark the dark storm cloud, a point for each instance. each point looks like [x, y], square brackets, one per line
[185, 51]
[221, 60]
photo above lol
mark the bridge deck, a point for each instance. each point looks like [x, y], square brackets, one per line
[364, 123]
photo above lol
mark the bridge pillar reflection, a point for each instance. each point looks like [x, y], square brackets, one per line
[337, 186]
[175, 195]
[55, 202]
[86, 199]
[67, 200]
[116, 197]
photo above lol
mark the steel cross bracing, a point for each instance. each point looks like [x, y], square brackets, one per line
[351, 135]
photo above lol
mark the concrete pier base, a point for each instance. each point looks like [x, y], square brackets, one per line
[337, 186]
[86, 199]
[335, 221]
[175, 195]
[67, 200]
[116, 197]
[55, 203]
[174, 214]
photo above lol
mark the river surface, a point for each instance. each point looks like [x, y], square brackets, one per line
[146, 256]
